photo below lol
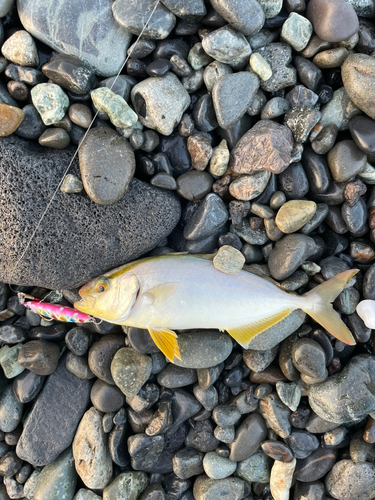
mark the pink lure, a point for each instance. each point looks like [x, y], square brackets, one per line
[58, 312]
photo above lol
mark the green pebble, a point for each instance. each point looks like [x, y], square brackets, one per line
[126, 486]
[58, 479]
[8, 360]
[118, 110]
[256, 468]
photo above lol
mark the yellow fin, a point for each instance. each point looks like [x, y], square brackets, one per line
[243, 334]
[166, 340]
[160, 293]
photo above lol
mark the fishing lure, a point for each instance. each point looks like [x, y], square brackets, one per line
[54, 311]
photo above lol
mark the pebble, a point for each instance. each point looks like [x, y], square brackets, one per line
[277, 451]
[248, 187]
[217, 467]
[55, 138]
[187, 463]
[50, 101]
[232, 95]
[332, 58]
[260, 66]
[161, 116]
[281, 479]
[175, 376]
[126, 486]
[296, 31]
[69, 73]
[278, 56]
[345, 160]
[32, 125]
[294, 214]
[10, 411]
[289, 253]
[290, 394]
[80, 115]
[9, 360]
[117, 109]
[105, 397]
[302, 443]
[20, 48]
[27, 385]
[200, 150]
[219, 159]
[204, 114]
[256, 468]
[274, 108]
[229, 260]
[347, 480]
[316, 465]
[83, 494]
[366, 311]
[361, 129]
[358, 73]
[339, 110]
[227, 46]
[248, 18]
[249, 435]
[208, 219]
[360, 450]
[309, 358]
[332, 22]
[39, 356]
[101, 355]
[198, 58]
[276, 414]
[206, 488]
[11, 119]
[130, 370]
[58, 479]
[266, 146]
[258, 361]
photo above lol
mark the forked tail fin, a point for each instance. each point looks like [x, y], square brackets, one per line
[318, 306]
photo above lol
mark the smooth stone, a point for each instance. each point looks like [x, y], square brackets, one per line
[309, 358]
[358, 76]
[302, 443]
[249, 435]
[74, 269]
[249, 235]
[5, 7]
[200, 150]
[316, 465]
[203, 348]
[217, 467]
[32, 125]
[296, 31]
[325, 398]
[248, 187]
[190, 11]
[206, 488]
[10, 464]
[274, 108]
[105, 397]
[339, 110]
[78, 365]
[50, 101]
[11, 119]
[10, 410]
[164, 181]
[355, 217]
[145, 399]
[83, 494]
[27, 385]
[10, 334]
[256, 468]
[92, 459]
[20, 48]
[290, 394]
[130, 370]
[289, 253]
[368, 283]
[266, 146]
[279, 57]
[39, 356]
[332, 22]
[145, 451]
[175, 376]
[316, 170]
[54, 417]
[208, 219]
[107, 165]
[345, 160]
[347, 480]
[360, 450]
[187, 463]
[58, 479]
[135, 18]
[246, 17]
[69, 73]
[228, 46]
[220, 159]
[258, 361]
[309, 74]
[302, 96]
[362, 130]
[294, 214]
[232, 95]
[101, 355]
[198, 58]
[54, 138]
[204, 114]
[229, 260]
[277, 451]
[366, 311]
[126, 486]
[225, 416]
[332, 58]
[153, 113]
[276, 414]
[213, 72]
[281, 479]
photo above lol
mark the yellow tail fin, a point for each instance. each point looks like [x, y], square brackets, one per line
[318, 306]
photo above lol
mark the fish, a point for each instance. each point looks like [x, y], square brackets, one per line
[181, 291]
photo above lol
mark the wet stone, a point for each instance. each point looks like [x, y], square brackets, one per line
[277, 451]
[316, 465]
[187, 463]
[289, 253]
[368, 284]
[276, 414]
[362, 130]
[194, 185]
[228, 46]
[204, 114]
[80, 115]
[325, 139]
[207, 220]
[353, 192]
[69, 73]
[279, 57]
[345, 160]
[302, 443]
[55, 138]
[200, 150]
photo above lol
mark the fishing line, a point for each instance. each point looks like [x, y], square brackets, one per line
[80, 144]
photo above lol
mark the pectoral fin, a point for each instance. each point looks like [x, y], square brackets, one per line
[166, 340]
[160, 293]
[243, 334]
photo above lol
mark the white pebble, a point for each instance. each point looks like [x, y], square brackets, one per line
[366, 311]
[281, 479]
[20, 48]
[229, 260]
[260, 66]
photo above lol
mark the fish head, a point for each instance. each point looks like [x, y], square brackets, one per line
[109, 297]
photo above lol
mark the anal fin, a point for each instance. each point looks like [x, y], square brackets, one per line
[166, 340]
[244, 333]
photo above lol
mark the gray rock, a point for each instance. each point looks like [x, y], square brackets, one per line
[84, 494]
[290, 394]
[145, 451]
[130, 370]
[155, 215]
[279, 57]
[210, 216]
[126, 486]
[107, 165]
[258, 361]
[339, 110]
[163, 114]
[249, 435]
[91, 34]
[175, 376]
[232, 95]
[52, 422]
[360, 450]
[208, 398]
[5, 6]
[187, 463]
[266, 146]
[10, 410]
[334, 21]
[309, 358]
[358, 76]
[190, 10]
[20, 48]
[70, 73]
[297, 31]
[275, 107]
[134, 17]
[251, 236]
[301, 120]
[345, 160]
[256, 468]
[289, 253]
[217, 467]
[206, 488]
[314, 490]
[276, 414]
[347, 481]
[228, 46]
[203, 348]
[246, 17]
[58, 479]
[356, 382]
[248, 187]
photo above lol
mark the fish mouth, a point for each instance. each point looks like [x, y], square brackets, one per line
[86, 303]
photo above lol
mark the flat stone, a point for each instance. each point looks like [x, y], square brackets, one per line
[333, 21]
[54, 417]
[289, 253]
[9, 360]
[232, 95]
[246, 17]
[57, 138]
[187, 463]
[203, 348]
[346, 160]
[347, 480]
[332, 58]
[316, 465]
[358, 76]
[249, 435]
[301, 120]
[276, 414]
[266, 146]
[309, 358]
[20, 48]
[228, 46]
[278, 56]
[294, 214]
[206, 488]
[115, 106]
[302, 443]
[296, 31]
[64, 267]
[91, 34]
[229, 260]
[50, 101]
[126, 486]
[57, 479]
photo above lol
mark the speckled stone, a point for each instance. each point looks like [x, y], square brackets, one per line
[206, 488]
[347, 481]
[130, 369]
[217, 467]
[228, 46]
[229, 260]
[126, 486]
[278, 56]
[118, 110]
[297, 31]
[20, 48]
[10, 119]
[50, 101]
[58, 479]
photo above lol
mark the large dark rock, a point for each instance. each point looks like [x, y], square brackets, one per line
[52, 422]
[77, 239]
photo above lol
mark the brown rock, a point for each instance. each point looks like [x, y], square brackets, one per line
[369, 432]
[200, 150]
[10, 119]
[358, 76]
[353, 191]
[270, 375]
[266, 146]
[333, 21]
[371, 217]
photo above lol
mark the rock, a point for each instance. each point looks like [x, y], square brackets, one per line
[117, 109]
[84, 494]
[105, 397]
[201, 437]
[276, 414]
[368, 283]
[145, 451]
[255, 468]
[325, 398]
[107, 165]
[227, 46]
[11, 119]
[10, 410]
[366, 311]
[220, 159]
[187, 463]
[39, 356]
[98, 40]
[229, 260]
[358, 76]
[27, 385]
[69, 73]
[348, 480]
[294, 214]
[249, 435]
[293, 182]
[130, 369]
[54, 417]
[101, 355]
[275, 107]
[281, 479]
[126, 486]
[20, 48]
[301, 120]
[297, 31]
[90, 450]
[58, 479]
[200, 150]
[208, 219]
[345, 160]
[266, 146]
[248, 187]
[290, 394]
[362, 129]
[217, 467]
[203, 348]
[9, 360]
[206, 488]
[232, 95]
[67, 268]
[289, 253]
[332, 22]
[260, 66]
[194, 185]
[355, 217]
[56, 139]
[175, 376]
[246, 17]
[50, 101]
[316, 465]
[309, 358]
[279, 57]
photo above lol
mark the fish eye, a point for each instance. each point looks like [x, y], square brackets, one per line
[101, 285]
